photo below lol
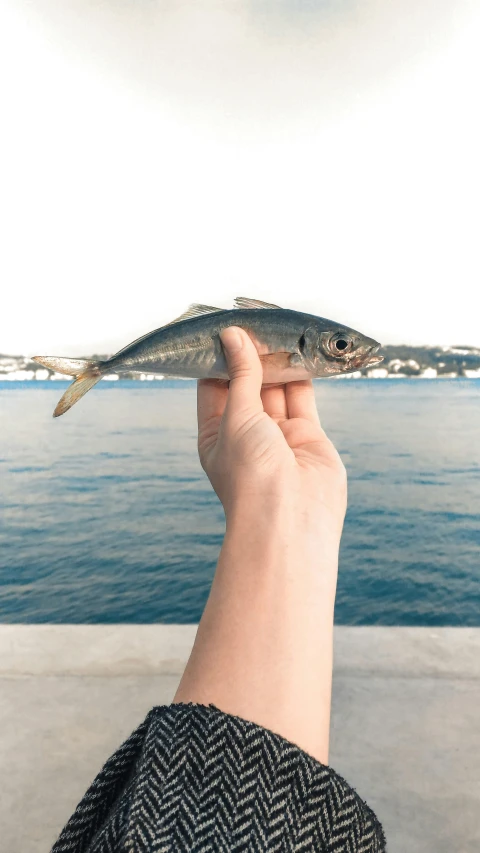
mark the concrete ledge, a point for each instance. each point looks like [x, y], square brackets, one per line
[405, 723]
[101, 650]
[115, 650]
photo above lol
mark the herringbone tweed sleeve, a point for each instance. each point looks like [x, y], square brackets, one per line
[193, 778]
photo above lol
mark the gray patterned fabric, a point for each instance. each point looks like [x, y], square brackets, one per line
[193, 778]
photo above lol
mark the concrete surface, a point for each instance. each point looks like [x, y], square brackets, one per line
[405, 723]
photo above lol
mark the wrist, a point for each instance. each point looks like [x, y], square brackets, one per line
[283, 517]
[284, 532]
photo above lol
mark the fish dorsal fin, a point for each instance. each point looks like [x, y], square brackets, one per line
[194, 310]
[245, 302]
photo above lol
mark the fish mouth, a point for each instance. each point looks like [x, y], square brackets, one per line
[373, 358]
[370, 357]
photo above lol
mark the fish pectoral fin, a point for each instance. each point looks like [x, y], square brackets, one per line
[194, 310]
[281, 359]
[245, 302]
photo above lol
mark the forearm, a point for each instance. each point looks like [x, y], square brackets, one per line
[263, 649]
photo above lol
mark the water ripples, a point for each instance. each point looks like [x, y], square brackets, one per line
[107, 516]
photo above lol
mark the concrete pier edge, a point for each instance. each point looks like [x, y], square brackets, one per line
[405, 722]
[158, 649]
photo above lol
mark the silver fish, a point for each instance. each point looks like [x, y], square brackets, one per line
[291, 345]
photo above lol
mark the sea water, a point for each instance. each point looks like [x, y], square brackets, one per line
[107, 516]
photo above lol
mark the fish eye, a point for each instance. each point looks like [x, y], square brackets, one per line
[340, 344]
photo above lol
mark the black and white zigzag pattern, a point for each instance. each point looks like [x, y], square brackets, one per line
[193, 778]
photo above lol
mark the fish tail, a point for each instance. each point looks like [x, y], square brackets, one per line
[76, 390]
[70, 366]
[87, 374]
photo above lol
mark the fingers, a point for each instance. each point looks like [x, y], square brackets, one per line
[245, 372]
[300, 397]
[211, 400]
[274, 402]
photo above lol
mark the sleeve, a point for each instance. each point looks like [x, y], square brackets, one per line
[194, 778]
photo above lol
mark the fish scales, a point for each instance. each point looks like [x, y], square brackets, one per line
[193, 348]
[291, 345]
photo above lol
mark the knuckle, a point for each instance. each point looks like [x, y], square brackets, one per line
[240, 370]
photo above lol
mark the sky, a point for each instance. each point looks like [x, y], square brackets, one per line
[319, 155]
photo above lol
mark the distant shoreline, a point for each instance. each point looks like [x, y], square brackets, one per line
[400, 362]
[9, 379]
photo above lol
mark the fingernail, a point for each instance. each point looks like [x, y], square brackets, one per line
[231, 340]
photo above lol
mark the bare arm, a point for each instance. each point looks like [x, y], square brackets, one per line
[263, 649]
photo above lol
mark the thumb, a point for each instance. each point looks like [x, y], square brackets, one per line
[244, 370]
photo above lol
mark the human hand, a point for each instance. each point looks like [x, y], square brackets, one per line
[263, 448]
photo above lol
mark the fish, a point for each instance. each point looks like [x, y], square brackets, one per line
[291, 345]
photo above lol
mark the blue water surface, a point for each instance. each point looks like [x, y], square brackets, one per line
[106, 515]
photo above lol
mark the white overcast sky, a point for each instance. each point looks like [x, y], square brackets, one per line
[321, 155]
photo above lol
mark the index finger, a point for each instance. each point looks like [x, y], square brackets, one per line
[301, 400]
